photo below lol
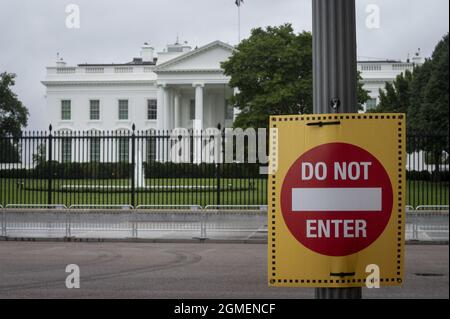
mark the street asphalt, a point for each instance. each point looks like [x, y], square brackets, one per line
[181, 271]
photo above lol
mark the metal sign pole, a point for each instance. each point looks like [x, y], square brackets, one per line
[335, 79]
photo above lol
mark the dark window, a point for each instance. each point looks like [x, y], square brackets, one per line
[94, 110]
[95, 150]
[192, 110]
[66, 113]
[152, 109]
[123, 109]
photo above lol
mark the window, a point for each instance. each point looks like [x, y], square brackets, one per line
[124, 147]
[229, 110]
[371, 104]
[66, 110]
[66, 150]
[152, 109]
[94, 110]
[151, 149]
[95, 150]
[123, 109]
[192, 110]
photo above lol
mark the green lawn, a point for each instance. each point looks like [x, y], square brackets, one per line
[182, 191]
[427, 193]
[171, 192]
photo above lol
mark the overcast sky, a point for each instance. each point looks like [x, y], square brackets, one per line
[32, 32]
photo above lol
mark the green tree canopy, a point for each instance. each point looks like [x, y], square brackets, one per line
[13, 114]
[13, 117]
[421, 94]
[429, 108]
[273, 73]
[396, 96]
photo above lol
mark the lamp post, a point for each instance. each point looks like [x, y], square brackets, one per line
[335, 79]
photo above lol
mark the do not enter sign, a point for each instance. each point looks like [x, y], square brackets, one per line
[336, 199]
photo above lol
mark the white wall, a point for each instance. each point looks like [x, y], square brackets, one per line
[109, 97]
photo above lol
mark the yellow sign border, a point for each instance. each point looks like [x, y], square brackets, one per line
[279, 273]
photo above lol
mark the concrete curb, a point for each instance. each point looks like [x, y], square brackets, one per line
[176, 241]
[133, 240]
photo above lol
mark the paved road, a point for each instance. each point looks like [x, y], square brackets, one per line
[132, 270]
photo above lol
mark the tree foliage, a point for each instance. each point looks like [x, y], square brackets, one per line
[429, 108]
[273, 74]
[396, 96]
[13, 117]
[13, 114]
[421, 94]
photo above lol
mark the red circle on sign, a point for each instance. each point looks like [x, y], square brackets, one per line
[336, 199]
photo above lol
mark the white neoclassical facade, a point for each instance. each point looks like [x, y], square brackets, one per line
[180, 87]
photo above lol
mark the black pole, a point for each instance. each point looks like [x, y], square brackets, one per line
[49, 166]
[133, 165]
[335, 79]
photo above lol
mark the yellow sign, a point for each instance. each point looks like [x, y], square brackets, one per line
[337, 190]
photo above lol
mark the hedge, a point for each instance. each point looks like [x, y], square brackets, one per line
[124, 171]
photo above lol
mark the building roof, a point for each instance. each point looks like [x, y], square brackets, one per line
[136, 61]
[381, 61]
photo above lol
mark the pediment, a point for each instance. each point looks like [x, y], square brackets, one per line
[207, 58]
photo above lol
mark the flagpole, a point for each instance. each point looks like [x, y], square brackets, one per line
[239, 23]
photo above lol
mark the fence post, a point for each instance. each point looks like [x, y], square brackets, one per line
[3, 223]
[68, 225]
[134, 226]
[217, 158]
[49, 168]
[133, 165]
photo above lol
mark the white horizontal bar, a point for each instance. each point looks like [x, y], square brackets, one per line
[336, 199]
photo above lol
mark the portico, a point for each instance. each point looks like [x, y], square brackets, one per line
[193, 92]
[194, 106]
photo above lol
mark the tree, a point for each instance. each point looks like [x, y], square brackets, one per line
[429, 104]
[429, 107]
[272, 71]
[422, 94]
[13, 117]
[13, 114]
[396, 96]
[363, 94]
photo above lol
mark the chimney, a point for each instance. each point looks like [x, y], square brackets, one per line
[186, 47]
[147, 53]
[60, 62]
[417, 59]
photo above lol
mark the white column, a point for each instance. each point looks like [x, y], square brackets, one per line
[177, 115]
[198, 122]
[166, 109]
[160, 107]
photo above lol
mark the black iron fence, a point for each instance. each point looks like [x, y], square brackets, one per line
[178, 167]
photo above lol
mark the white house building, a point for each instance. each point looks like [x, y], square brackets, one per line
[180, 87]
